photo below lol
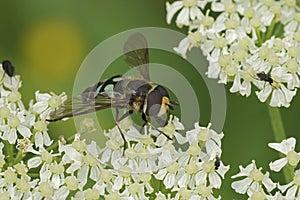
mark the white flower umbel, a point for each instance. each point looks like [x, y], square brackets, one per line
[241, 39]
[253, 180]
[286, 147]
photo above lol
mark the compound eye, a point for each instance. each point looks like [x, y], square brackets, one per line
[154, 102]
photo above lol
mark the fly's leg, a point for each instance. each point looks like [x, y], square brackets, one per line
[144, 124]
[120, 130]
[147, 122]
[3, 76]
[117, 113]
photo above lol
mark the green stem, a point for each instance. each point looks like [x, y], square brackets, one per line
[276, 123]
[279, 134]
[18, 158]
[33, 175]
[270, 28]
[9, 152]
[259, 39]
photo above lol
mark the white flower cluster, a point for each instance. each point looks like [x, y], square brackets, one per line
[258, 185]
[151, 167]
[23, 131]
[245, 42]
[32, 166]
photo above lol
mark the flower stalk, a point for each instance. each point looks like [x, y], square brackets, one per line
[10, 152]
[276, 123]
[279, 135]
[18, 158]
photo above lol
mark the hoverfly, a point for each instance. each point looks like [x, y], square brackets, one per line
[138, 95]
[8, 68]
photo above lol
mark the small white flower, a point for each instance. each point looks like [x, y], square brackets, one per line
[243, 81]
[253, 180]
[287, 147]
[43, 157]
[24, 186]
[47, 103]
[12, 99]
[171, 129]
[208, 171]
[193, 39]
[83, 159]
[15, 124]
[11, 83]
[41, 136]
[206, 137]
[281, 96]
[46, 190]
[54, 173]
[258, 194]
[292, 188]
[168, 173]
[190, 11]
[205, 192]
[294, 24]
[113, 149]
[161, 196]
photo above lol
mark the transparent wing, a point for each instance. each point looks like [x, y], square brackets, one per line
[137, 55]
[87, 102]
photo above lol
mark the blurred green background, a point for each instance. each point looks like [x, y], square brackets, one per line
[47, 41]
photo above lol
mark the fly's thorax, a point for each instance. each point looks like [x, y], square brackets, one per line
[137, 90]
[132, 86]
[137, 104]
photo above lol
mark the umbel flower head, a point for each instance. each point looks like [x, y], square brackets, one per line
[33, 166]
[247, 43]
[258, 185]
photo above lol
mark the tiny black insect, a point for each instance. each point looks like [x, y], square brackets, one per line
[217, 163]
[265, 77]
[8, 68]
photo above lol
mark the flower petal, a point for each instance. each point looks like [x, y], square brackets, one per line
[285, 146]
[172, 9]
[214, 180]
[34, 162]
[277, 165]
[242, 185]
[268, 183]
